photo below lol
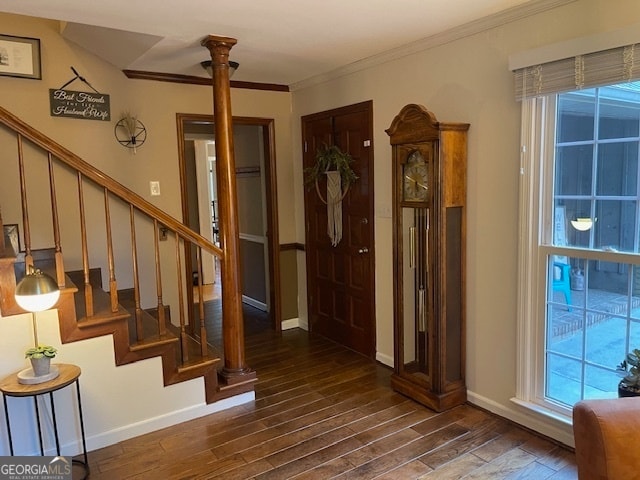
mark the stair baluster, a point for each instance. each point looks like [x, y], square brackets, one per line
[1, 236]
[59, 261]
[28, 257]
[203, 331]
[88, 292]
[183, 334]
[162, 326]
[113, 284]
[136, 278]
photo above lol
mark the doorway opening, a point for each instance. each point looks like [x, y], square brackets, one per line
[254, 153]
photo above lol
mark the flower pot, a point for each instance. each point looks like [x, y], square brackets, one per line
[624, 391]
[41, 366]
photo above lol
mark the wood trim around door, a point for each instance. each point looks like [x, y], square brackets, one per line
[273, 236]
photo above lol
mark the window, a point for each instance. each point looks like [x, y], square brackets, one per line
[581, 272]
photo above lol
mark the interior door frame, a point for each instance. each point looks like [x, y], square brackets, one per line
[273, 238]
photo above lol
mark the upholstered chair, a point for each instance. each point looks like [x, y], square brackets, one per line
[607, 438]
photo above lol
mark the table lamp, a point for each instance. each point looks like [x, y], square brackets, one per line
[36, 292]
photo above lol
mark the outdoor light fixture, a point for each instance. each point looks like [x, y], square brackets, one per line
[582, 224]
[37, 292]
[233, 66]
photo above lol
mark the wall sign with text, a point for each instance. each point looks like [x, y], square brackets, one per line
[84, 105]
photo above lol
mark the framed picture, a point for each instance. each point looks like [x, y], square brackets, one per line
[11, 237]
[20, 57]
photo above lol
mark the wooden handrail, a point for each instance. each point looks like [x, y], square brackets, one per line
[90, 172]
[98, 313]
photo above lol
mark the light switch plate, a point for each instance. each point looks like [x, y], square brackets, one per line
[154, 186]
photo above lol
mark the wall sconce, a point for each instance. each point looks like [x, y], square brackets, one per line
[233, 66]
[130, 132]
[37, 292]
[583, 224]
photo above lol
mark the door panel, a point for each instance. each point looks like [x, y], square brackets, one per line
[340, 279]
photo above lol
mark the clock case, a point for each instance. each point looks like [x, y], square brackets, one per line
[429, 253]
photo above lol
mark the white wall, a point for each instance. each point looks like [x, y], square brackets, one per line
[466, 80]
[118, 402]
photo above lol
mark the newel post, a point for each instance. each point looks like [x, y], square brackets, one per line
[235, 370]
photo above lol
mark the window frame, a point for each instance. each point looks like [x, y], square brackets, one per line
[538, 130]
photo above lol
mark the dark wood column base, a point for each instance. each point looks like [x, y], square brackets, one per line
[236, 376]
[235, 383]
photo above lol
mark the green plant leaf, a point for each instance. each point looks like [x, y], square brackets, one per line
[330, 157]
[41, 351]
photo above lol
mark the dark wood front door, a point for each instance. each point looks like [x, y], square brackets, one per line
[340, 279]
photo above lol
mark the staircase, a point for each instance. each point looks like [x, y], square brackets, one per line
[173, 330]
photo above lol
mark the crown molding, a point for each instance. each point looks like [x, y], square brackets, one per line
[477, 26]
[193, 80]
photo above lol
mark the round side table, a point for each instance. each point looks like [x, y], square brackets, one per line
[10, 387]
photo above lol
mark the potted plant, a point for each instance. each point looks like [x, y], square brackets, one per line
[330, 158]
[629, 370]
[40, 358]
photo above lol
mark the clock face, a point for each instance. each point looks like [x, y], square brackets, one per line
[415, 178]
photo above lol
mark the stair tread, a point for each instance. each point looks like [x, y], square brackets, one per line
[101, 308]
[194, 346]
[153, 342]
[192, 364]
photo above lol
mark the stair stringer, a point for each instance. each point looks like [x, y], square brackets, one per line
[116, 324]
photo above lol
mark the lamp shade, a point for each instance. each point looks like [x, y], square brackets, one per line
[233, 66]
[37, 291]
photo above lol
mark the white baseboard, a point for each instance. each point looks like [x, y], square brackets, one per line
[290, 323]
[129, 431]
[254, 303]
[385, 359]
[538, 422]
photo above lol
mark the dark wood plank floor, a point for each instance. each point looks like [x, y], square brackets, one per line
[322, 411]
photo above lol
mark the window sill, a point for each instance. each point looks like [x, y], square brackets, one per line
[547, 412]
[557, 425]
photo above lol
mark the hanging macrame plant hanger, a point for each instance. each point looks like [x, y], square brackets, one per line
[335, 165]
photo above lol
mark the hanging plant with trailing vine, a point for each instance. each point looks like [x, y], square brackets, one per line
[329, 158]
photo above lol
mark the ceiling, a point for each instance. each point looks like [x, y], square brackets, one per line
[279, 41]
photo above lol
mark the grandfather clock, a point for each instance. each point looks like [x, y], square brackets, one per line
[429, 206]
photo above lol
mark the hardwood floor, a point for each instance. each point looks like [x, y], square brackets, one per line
[322, 411]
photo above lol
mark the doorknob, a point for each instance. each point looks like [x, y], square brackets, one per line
[363, 250]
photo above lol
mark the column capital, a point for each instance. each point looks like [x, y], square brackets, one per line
[214, 42]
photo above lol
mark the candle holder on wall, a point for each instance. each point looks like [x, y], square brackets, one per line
[130, 132]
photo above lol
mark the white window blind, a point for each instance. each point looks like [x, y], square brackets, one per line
[615, 65]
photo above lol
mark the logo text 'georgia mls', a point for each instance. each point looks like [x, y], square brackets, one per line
[35, 468]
